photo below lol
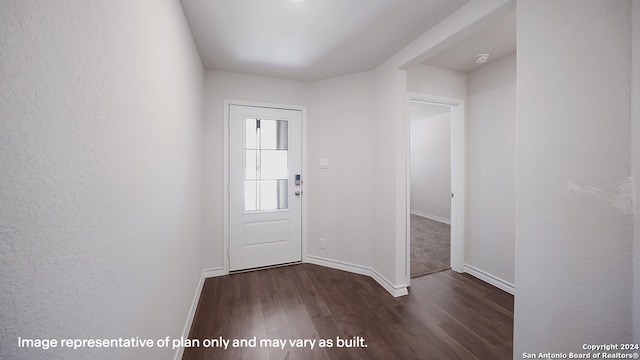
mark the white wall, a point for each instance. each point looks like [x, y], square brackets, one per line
[100, 174]
[491, 169]
[490, 95]
[430, 142]
[392, 79]
[340, 198]
[388, 253]
[220, 86]
[432, 80]
[574, 228]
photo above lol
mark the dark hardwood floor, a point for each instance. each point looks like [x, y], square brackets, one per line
[445, 316]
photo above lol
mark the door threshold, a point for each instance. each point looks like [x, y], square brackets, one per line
[264, 267]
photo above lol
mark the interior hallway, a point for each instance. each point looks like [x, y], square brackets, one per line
[111, 150]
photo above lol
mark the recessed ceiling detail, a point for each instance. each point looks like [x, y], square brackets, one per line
[311, 39]
[498, 39]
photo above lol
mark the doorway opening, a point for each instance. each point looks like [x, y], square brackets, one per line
[430, 188]
[435, 186]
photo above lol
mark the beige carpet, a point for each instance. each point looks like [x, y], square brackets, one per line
[430, 246]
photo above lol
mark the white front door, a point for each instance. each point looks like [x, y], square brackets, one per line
[265, 202]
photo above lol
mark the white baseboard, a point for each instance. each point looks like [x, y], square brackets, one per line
[431, 217]
[395, 290]
[213, 272]
[340, 265]
[206, 273]
[361, 270]
[493, 280]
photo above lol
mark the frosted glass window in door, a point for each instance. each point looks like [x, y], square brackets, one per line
[266, 165]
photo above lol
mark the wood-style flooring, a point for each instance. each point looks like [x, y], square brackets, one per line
[445, 316]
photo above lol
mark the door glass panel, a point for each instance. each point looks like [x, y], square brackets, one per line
[273, 164]
[266, 165]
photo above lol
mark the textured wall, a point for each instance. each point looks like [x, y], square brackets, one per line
[574, 223]
[100, 167]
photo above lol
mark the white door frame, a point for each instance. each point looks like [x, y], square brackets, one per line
[225, 151]
[457, 177]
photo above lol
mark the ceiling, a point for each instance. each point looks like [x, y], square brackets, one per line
[308, 39]
[497, 39]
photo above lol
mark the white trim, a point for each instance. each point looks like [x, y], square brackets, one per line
[431, 217]
[225, 173]
[225, 191]
[206, 273]
[339, 265]
[458, 141]
[303, 156]
[491, 279]
[394, 290]
[458, 157]
[213, 272]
